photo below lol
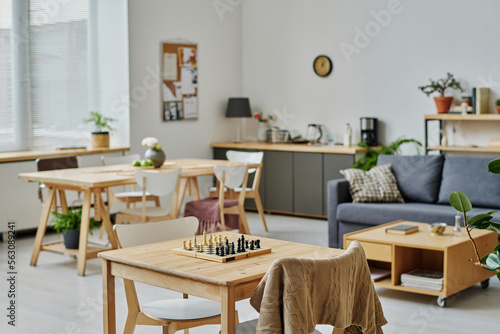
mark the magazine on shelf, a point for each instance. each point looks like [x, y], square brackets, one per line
[423, 279]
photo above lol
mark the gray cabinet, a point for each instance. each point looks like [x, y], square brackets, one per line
[307, 180]
[279, 181]
[295, 182]
[332, 164]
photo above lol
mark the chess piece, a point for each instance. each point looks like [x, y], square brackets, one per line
[252, 243]
[194, 241]
[183, 244]
[246, 244]
[201, 248]
[217, 251]
[227, 241]
[221, 251]
[210, 243]
[228, 251]
[242, 239]
[189, 245]
[220, 239]
[232, 249]
[257, 243]
[205, 238]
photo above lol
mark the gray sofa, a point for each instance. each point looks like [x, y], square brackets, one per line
[425, 183]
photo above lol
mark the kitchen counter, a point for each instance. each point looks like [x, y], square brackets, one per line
[289, 147]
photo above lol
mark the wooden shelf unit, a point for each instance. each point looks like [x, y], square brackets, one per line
[459, 117]
[446, 253]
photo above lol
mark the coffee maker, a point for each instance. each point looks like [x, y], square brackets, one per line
[369, 133]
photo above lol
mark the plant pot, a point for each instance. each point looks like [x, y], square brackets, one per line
[158, 157]
[100, 139]
[443, 103]
[71, 238]
[262, 131]
[498, 109]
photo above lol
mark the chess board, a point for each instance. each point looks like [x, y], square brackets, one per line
[212, 254]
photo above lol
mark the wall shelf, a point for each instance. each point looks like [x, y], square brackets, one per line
[459, 117]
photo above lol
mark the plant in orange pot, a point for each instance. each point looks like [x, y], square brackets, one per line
[443, 103]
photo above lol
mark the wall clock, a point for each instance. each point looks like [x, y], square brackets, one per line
[322, 65]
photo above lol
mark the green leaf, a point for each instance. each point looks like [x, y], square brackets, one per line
[492, 261]
[495, 227]
[497, 247]
[479, 219]
[494, 166]
[491, 212]
[498, 276]
[460, 202]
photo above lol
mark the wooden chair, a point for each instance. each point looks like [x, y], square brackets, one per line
[159, 184]
[285, 296]
[171, 314]
[127, 197]
[230, 178]
[54, 164]
[251, 192]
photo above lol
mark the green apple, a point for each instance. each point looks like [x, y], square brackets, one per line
[150, 162]
[144, 163]
[136, 163]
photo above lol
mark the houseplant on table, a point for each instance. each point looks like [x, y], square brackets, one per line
[70, 223]
[460, 202]
[443, 103]
[263, 125]
[100, 135]
[154, 151]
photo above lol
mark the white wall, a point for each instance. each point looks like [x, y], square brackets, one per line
[425, 39]
[219, 68]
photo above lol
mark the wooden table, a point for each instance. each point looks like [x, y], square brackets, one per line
[227, 283]
[94, 181]
[447, 253]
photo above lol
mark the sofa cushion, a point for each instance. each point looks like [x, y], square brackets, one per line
[376, 185]
[470, 175]
[379, 213]
[418, 176]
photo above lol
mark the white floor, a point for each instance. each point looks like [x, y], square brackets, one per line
[52, 299]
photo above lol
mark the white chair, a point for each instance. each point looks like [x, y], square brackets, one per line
[159, 184]
[253, 192]
[126, 197]
[171, 314]
[210, 211]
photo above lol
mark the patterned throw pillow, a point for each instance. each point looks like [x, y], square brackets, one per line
[377, 185]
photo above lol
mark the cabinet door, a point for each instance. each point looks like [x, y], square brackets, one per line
[332, 164]
[278, 181]
[307, 183]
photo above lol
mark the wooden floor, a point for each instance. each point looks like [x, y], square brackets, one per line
[52, 299]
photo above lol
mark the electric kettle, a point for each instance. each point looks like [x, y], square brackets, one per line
[314, 133]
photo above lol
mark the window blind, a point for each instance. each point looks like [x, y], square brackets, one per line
[49, 73]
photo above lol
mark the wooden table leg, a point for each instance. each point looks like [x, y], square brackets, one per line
[195, 189]
[42, 226]
[181, 190]
[106, 222]
[228, 305]
[84, 233]
[108, 295]
[64, 203]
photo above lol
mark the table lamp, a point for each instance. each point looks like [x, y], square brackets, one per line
[239, 107]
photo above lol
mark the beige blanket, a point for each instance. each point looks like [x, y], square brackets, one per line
[297, 294]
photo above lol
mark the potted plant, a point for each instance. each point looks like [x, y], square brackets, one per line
[263, 125]
[443, 103]
[154, 153]
[371, 156]
[69, 223]
[460, 202]
[498, 106]
[100, 135]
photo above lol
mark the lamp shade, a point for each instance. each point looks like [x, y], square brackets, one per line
[238, 107]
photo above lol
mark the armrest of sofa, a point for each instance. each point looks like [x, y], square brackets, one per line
[337, 192]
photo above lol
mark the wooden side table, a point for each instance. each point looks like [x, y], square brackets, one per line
[446, 253]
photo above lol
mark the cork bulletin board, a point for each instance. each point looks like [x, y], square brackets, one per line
[179, 63]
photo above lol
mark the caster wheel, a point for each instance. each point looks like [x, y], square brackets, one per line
[485, 284]
[441, 301]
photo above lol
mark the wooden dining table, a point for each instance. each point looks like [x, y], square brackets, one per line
[93, 181]
[228, 282]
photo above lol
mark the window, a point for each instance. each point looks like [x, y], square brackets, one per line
[49, 72]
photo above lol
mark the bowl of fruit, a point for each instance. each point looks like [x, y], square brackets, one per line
[146, 163]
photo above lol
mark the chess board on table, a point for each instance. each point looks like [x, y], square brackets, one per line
[215, 248]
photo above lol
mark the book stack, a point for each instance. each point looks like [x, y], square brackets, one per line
[402, 229]
[423, 279]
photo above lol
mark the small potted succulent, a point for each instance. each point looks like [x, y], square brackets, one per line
[69, 223]
[443, 103]
[100, 135]
[498, 105]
